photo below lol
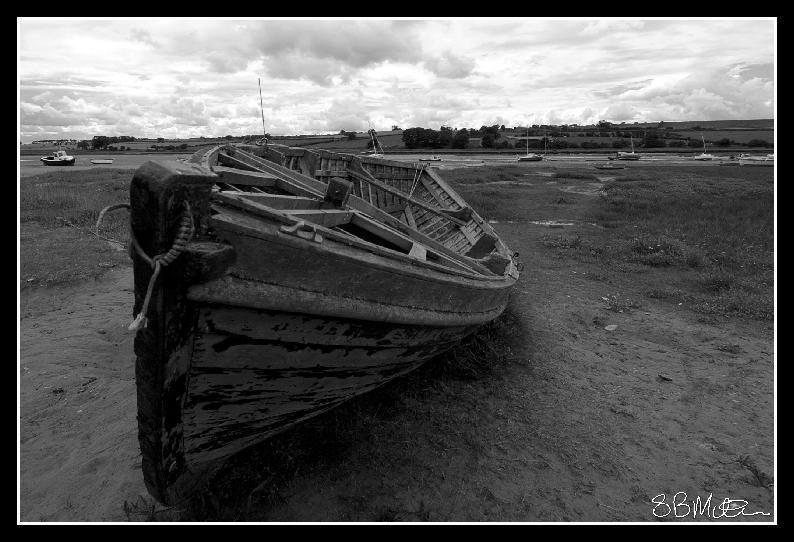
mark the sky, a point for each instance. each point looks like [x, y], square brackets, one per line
[169, 77]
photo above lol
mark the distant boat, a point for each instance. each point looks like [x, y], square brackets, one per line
[628, 155]
[529, 156]
[433, 158]
[102, 161]
[704, 156]
[377, 148]
[751, 160]
[609, 166]
[58, 158]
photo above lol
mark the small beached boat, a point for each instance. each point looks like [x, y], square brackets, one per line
[623, 155]
[530, 156]
[274, 283]
[704, 156]
[102, 161]
[377, 148]
[58, 158]
[757, 160]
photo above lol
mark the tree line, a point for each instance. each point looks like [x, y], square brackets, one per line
[554, 138]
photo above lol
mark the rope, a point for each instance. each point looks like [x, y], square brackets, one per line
[183, 236]
[416, 180]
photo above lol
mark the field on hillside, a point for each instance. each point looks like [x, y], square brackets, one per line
[635, 363]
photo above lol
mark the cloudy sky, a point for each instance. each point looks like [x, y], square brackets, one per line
[188, 78]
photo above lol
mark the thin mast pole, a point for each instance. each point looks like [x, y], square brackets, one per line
[262, 108]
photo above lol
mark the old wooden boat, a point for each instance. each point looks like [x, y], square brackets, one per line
[274, 283]
[58, 158]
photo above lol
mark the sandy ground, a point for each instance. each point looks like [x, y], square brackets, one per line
[589, 422]
[79, 457]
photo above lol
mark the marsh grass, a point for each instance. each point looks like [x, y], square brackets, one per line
[57, 214]
[709, 237]
[574, 174]
[485, 174]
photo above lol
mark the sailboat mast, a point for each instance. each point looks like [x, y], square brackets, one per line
[262, 108]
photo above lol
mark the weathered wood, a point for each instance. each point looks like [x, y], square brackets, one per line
[281, 172]
[157, 195]
[325, 217]
[207, 260]
[410, 199]
[418, 251]
[277, 201]
[338, 191]
[409, 216]
[449, 256]
[250, 178]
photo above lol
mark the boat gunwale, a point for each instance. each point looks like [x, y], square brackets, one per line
[408, 267]
[209, 159]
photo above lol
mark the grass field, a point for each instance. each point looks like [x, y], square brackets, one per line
[57, 213]
[701, 236]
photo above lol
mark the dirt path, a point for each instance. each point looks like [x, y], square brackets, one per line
[79, 458]
[586, 423]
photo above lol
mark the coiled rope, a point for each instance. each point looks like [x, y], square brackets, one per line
[183, 237]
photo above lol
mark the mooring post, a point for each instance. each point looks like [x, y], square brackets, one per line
[160, 194]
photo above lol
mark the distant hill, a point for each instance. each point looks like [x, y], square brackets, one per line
[753, 124]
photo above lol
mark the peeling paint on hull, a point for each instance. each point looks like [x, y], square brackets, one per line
[255, 373]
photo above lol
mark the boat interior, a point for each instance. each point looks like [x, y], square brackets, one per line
[398, 210]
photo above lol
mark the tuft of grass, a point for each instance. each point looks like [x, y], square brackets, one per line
[717, 280]
[573, 174]
[562, 241]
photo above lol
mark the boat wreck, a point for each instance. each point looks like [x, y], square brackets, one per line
[274, 283]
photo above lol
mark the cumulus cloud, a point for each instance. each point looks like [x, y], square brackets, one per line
[450, 65]
[620, 112]
[710, 93]
[198, 77]
[602, 27]
[143, 36]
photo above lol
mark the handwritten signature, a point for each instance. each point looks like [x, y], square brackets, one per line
[679, 507]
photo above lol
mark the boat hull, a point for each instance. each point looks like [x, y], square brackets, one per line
[257, 328]
[57, 162]
[255, 373]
